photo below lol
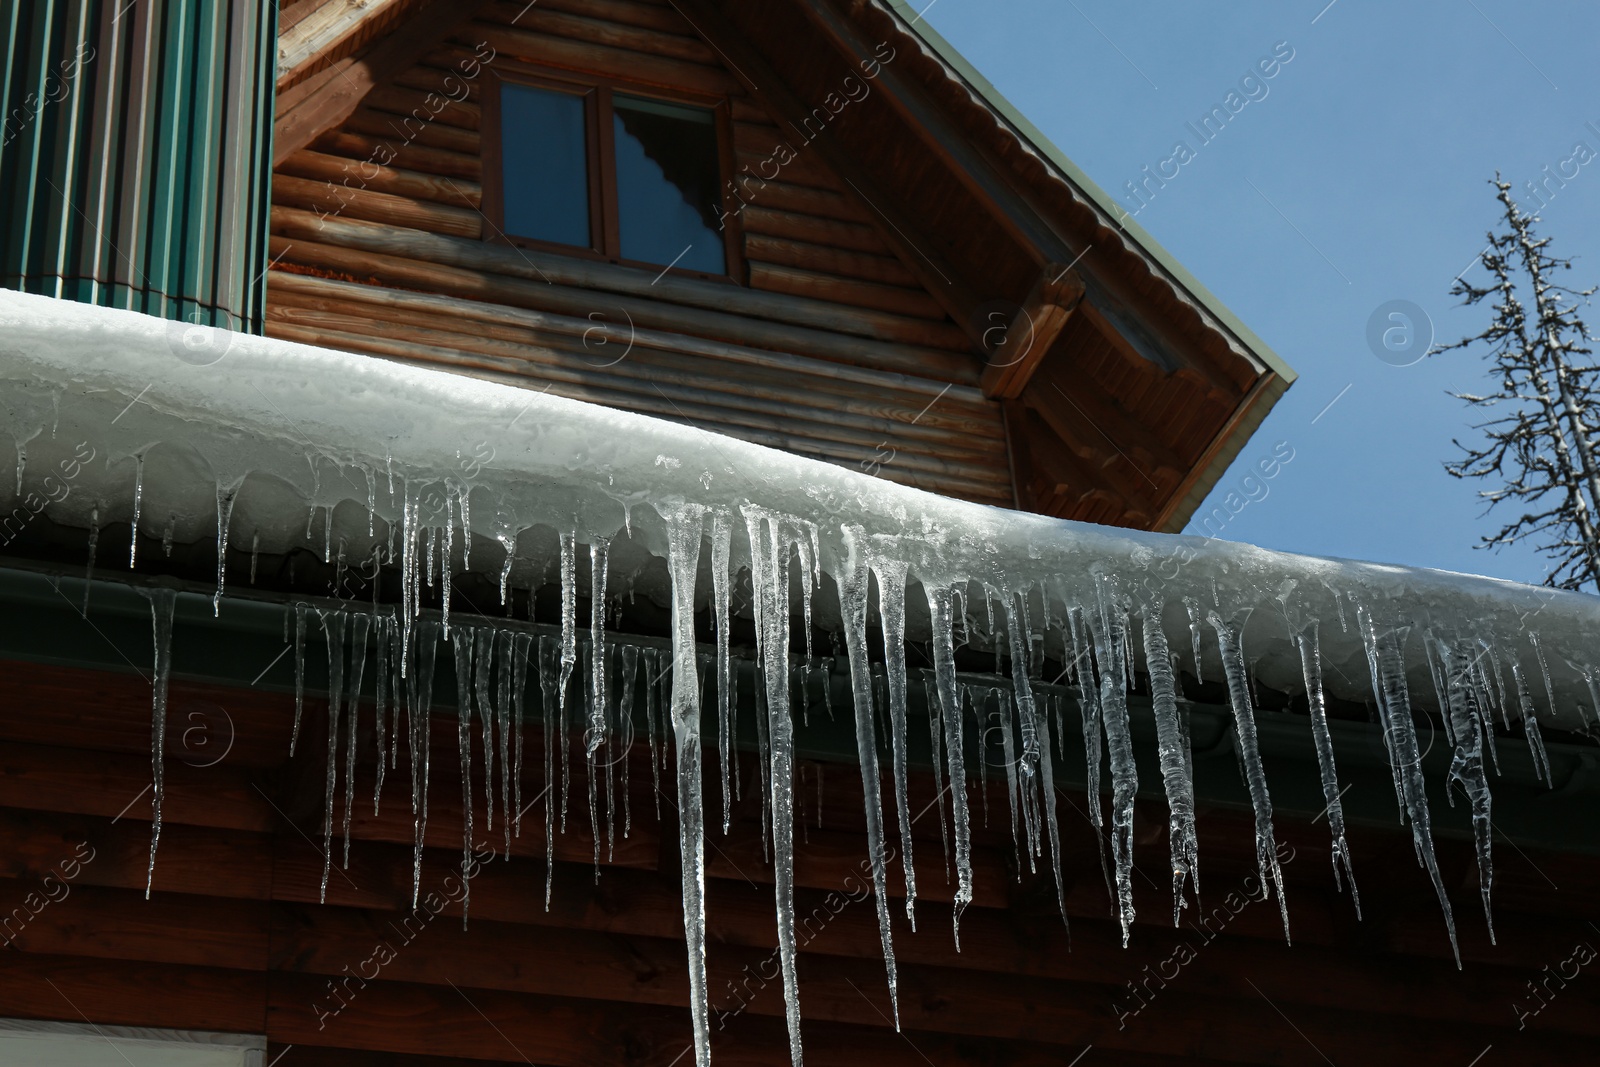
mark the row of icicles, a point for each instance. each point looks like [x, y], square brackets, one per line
[1097, 635]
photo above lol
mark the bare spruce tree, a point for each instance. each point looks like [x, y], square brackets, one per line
[1539, 441]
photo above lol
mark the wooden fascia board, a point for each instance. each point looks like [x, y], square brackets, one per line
[1030, 333]
[337, 98]
[947, 283]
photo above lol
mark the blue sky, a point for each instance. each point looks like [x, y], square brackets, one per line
[1360, 177]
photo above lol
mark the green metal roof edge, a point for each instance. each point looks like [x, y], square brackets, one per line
[913, 22]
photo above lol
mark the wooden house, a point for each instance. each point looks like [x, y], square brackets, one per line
[803, 224]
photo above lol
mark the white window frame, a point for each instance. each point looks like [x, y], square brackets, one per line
[248, 1050]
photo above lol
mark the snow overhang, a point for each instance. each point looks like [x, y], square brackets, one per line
[101, 401]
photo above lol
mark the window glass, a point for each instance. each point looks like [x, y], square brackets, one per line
[667, 184]
[544, 165]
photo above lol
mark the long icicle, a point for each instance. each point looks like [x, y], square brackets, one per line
[1466, 765]
[1089, 711]
[853, 609]
[891, 580]
[419, 705]
[461, 643]
[1244, 722]
[333, 628]
[162, 603]
[1310, 646]
[550, 673]
[685, 532]
[599, 552]
[1400, 737]
[1110, 645]
[770, 555]
[1175, 779]
[360, 622]
[569, 654]
[944, 667]
[721, 550]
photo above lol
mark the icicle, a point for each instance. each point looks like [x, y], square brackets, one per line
[1466, 766]
[1027, 713]
[1193, 607]
[333, 628]
[381, 680]
[166, 537]
[360, 623]
[569, 653]
[930, 697]
[1244, 723]
[652, 667]
[1008, 760]
[502, 707]
[446, 582]
[1530, 723]
[462, 645]
[1174, 773]
[684, 529]
[1310, 646]
[372, 498]
[630, 671]
[521, 649]
[94, 543]
[599, 549]
[770, 555]
[482, 680]
[1485, 695]
[1544, 669]
[853, 609]
[419, 703]
[466, 529]
[299, 672]
[505, 578]
[1089, 710]
[721, 547]
[430, 536]
[891, 576]
[408, 573]
[591, 759]
[1110, 644]
[550, 671]
[138, 502]
[1400, 736]
[162, 603]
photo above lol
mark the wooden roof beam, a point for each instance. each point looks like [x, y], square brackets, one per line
[323, 30]
[341, 92]
[1032, 332]
[947, 283]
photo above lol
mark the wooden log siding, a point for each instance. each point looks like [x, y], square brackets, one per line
[829, 348]
[236, 935]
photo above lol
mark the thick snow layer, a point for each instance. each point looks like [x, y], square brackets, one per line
[292, 427]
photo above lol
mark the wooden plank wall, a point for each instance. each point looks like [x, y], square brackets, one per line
[831, 350]
[235, 936]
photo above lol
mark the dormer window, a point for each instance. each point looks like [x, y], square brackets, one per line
[608, 171]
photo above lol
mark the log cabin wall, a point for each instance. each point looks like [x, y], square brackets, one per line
[238, 936]
[827, 347]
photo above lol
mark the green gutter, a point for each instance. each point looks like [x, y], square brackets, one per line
[245, 648]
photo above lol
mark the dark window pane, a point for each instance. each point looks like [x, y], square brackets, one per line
[545, 165]
[667, 184]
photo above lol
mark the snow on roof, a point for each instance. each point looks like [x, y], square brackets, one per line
[195, 416]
